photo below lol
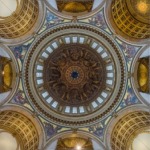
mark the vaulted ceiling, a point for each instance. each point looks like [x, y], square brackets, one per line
[74, 74]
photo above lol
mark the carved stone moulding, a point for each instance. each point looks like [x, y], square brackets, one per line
[8, 74]
[78, 74]
[74, 6]
[23, 22]
[75, 140]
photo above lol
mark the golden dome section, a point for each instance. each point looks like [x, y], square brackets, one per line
[6, 74]
[74, 142]
[130, 17]
[21, 128]
[73, 6]
[127, 128]
[143, 75]
[21, 21]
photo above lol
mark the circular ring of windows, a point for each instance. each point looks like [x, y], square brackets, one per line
[74, 75]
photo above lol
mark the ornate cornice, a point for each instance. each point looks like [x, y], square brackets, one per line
[73, 28]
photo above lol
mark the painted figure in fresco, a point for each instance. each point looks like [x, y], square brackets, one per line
[131, 98]
[50, 129]
[97, 130]
[98, 20]
[19, 99]
[52, 20]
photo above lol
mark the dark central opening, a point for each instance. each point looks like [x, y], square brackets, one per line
[74, 74]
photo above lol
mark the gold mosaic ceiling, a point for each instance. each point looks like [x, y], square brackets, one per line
[21, 127]
[140, 10]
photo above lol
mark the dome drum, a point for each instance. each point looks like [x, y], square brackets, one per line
[58, 59]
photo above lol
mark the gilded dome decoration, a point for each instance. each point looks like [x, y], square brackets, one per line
[132, 17]
[72, 9]
[75, 75]
[20, 21]
[21, 127]
[143, 75]
[6, 74]
[127, 128]
[140, 71]
[74, 142]
[74, 6]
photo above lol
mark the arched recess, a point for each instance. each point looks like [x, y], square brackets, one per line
[9, 65]
[140, 70]
[78, 138]
[125, 126]
[75, 9]
[24, 23]
[23, 125]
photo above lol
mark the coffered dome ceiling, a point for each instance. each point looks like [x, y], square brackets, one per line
[127, 128]
[74, 8]
[7, 74]
[132, 17]
[21, 19]
[22, 129]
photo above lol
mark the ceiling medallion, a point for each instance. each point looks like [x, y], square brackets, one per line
[74, 75]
